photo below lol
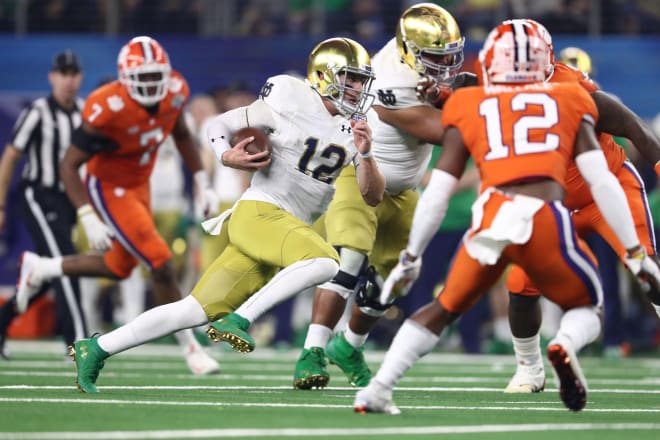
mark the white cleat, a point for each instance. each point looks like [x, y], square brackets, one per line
[29, 281]
[528, 379]
[199, 361]
[375, 398]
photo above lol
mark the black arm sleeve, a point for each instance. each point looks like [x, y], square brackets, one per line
[464, 79]
[91, 143]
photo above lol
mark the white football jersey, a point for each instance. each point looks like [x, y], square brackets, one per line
[401, 157]
[310, 148]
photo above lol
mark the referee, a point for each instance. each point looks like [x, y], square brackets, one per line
[43, 133]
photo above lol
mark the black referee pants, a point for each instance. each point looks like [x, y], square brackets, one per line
[50, 218]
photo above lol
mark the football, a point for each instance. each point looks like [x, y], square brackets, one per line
[259, 144]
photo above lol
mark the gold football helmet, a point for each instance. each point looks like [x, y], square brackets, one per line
[430, 41]
[577, 58]
[331, 63]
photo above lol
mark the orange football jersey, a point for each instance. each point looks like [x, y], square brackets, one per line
[137, 131]
[578, 194]
[520, 132]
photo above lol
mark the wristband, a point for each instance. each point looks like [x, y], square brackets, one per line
[84, 210]
[366, 155]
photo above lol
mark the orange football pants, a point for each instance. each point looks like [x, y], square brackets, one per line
[127, 211]
[588, 220]
[557, 261]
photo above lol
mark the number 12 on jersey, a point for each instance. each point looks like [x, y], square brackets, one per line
[325, 171]
[489, 109]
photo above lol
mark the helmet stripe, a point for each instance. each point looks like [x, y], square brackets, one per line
[147, 51]
[520, 42]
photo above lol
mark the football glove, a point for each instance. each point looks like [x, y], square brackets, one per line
[428, 90]
[99, 236]
[401, 278]
[643, 267]
[206, 201]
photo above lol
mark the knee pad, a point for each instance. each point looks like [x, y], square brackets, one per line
[368, 293]
[351, 265]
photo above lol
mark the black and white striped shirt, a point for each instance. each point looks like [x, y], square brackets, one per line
[43, 131]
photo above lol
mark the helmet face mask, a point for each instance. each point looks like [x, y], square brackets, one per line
[514, 52]
[335, 66]
[144, 69]
[430, 42]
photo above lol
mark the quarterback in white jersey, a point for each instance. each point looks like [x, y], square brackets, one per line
[313, 138]
[271, 246]
[427, 43]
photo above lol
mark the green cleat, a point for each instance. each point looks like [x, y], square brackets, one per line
[350, 360]
[233, 330]
[310, 372]
[88, 358]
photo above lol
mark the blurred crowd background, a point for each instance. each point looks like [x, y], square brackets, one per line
[227, 48]
[365, 19]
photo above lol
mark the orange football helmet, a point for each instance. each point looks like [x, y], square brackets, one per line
[144, 69]
[515, 52]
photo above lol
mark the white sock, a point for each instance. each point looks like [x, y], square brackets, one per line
[528, 350]
[186, 339]
[89, 293]
[353, 338]
[51, 267]
[317, 336]
[132, 292]
[411, 342]
[289, 281]
[154, 323]
[578, 327]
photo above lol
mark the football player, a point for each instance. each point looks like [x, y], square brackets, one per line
[615, 119]
[522, 133]
[270, 244]
[124, 124]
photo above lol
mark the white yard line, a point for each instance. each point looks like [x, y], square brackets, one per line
[327, 432]
[100, 401]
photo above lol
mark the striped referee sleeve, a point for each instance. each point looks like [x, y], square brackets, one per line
[24, 128]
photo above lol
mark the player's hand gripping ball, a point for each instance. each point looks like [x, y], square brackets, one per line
[259, 144]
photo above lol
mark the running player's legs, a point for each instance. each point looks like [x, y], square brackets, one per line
[349, 221]
[230, 280]
[271, 236]
[559, 263]
[589, 219]
[395, 215]
[127, 213]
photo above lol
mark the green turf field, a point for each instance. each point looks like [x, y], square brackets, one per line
[147, 393]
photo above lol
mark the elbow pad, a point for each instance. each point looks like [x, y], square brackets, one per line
[430, 211]
[608, 195]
